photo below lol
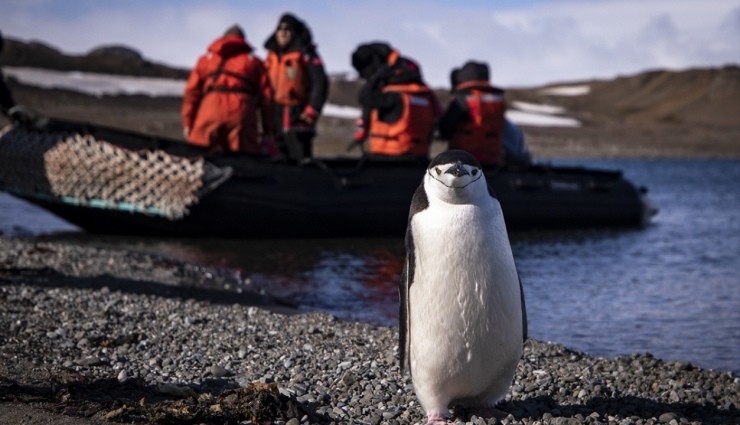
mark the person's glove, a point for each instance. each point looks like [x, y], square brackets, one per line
[309, 115]
[359, 136]
[360, 133]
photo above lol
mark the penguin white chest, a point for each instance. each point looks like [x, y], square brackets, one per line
[466, 335]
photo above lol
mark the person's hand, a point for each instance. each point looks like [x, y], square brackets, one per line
[358, 138]
[308, 115]
[360, 133]
[186, 132]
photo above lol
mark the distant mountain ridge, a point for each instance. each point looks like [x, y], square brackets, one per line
[707, 97]
[111, 59]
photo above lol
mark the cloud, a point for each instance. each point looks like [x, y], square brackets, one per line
[533, 44]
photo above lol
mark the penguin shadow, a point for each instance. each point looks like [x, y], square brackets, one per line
[546, 407]
[49, 278]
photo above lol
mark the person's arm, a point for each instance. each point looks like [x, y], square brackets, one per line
[319, 83]
[6, 98]
[265, 100]
[455, 114]
[191, 99]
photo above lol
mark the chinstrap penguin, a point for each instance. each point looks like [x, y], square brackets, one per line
[462, 314]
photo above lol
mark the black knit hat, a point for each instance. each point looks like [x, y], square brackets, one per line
[471, 71]
[369, 57]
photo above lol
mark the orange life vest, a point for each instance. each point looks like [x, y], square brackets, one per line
[288, 78]
[482, 135]
[411, 133]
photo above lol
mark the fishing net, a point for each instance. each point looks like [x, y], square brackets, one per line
[79, 169]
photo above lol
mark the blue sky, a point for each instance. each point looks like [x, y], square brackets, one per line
[526, 43]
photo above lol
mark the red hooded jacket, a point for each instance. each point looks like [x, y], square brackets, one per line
[224, 93]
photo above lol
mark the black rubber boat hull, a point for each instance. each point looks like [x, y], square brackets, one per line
[347, 198]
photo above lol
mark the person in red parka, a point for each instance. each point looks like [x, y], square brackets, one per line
[225, 93]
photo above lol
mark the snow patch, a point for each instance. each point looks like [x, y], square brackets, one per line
[97, 84]
[567, 90]
[537, 108]
[540, 120]
[107, 84]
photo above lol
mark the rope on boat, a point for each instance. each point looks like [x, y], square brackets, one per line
[79, 169]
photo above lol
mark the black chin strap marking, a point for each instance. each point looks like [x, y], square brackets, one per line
[455, 187]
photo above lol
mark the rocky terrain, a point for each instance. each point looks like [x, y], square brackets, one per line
[91, 336]
[104, 336]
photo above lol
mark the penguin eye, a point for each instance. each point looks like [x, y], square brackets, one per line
[438, 170]
[474, 171]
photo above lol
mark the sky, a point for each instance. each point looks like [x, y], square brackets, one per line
[526, 42]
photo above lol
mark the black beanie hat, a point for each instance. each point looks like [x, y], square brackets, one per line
[368, 57]
[470, 71]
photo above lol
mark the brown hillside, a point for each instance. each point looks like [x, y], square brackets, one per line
[705, 97]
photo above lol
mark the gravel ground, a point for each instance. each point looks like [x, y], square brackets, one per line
[97, 336]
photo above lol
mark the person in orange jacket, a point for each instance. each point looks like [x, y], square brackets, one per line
[225, 93]
[474, 119]
[299, 83]
[399, 111]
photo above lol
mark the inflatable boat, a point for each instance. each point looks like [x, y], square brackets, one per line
[68, 168]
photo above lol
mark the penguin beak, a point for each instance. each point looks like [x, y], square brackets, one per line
[457, 170]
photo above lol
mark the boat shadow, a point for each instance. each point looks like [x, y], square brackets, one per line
[49, 278]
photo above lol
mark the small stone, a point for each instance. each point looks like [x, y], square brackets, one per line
[219, 371]
[90, 361]
[667, 417]
[122, 375]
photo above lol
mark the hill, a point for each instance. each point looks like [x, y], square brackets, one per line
[657, 113]
[112, 59]
[704, 97]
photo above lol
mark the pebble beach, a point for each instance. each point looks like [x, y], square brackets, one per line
[92, 335]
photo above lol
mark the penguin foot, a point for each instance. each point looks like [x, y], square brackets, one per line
[437, 418]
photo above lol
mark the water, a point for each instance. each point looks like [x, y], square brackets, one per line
[672, 289]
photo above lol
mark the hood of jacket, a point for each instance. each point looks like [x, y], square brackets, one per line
[229, 45]
[302, 38]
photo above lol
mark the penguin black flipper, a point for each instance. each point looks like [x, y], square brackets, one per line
[419, 202]
[525, 325]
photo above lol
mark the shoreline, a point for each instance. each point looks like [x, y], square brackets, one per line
[612, 137]
[102, 336]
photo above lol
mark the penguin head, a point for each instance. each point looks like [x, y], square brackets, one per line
[456, 177]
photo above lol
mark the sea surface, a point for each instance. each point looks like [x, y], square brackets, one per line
[671, 289]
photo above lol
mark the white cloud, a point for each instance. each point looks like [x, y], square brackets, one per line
[538, 43]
